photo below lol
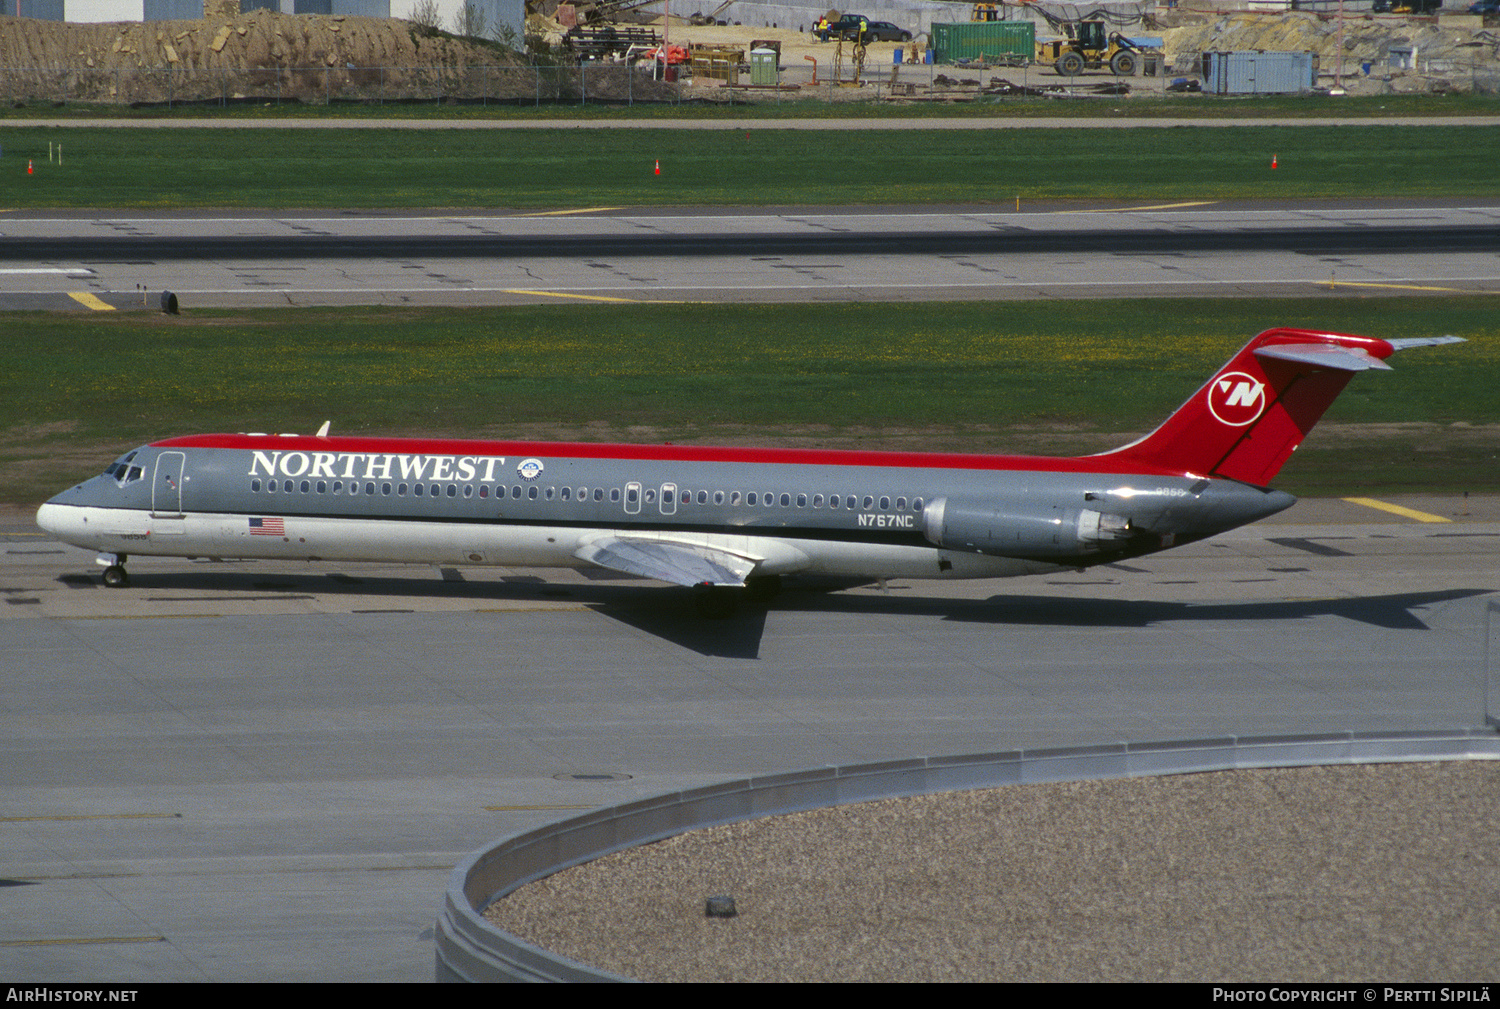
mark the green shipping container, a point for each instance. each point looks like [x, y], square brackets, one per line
[992, 40]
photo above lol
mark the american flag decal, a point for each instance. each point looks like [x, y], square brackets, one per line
[267, 527]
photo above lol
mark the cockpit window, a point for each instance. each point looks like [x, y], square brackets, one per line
[121, 470]
[124, 474]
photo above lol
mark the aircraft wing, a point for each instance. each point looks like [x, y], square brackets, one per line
[667, 560]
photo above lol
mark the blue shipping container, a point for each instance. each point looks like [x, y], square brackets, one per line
[1257, 73]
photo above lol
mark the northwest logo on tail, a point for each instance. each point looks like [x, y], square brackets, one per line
[1236, 399]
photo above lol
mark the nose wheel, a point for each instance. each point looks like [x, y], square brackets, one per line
[114, 570]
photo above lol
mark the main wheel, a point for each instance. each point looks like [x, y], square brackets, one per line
[715, 602]
[1123, 63]
[115, 577]
[1069, 65]
[762, 588]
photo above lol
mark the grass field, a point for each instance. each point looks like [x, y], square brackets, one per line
[1013, 376]
[147, 168]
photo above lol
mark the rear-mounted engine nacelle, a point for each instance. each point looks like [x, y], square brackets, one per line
[1031, 529]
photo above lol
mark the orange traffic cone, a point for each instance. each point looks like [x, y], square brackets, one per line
[658, 166]
[1273, 162]
[29, 169]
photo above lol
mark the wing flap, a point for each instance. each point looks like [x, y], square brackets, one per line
[667, 561]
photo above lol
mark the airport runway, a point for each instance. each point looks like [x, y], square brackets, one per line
[51, 260]
[252, 771]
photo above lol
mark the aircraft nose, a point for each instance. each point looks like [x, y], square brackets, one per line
[51, 517]
[68, 523]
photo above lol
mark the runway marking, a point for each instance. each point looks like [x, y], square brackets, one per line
[83, 941]
[143, 616]
[1399, 287]
[1396, 509]
[560, 213]
[1126, 210]
[88, 300]
[93, 816]
[48, 271]
[586, 297]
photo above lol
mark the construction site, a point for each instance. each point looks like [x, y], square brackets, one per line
[624, 51]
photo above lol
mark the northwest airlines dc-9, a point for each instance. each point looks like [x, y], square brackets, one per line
[724, 520]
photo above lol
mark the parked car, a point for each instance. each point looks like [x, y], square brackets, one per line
[884, 31]
[875, 31]
[1485, 7]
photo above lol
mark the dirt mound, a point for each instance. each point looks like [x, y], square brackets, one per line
[1438, 57]
[259, 40]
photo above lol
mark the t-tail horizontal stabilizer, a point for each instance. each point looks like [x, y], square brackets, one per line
[1249, 418]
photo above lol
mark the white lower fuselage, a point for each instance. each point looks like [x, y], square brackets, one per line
[125, 532]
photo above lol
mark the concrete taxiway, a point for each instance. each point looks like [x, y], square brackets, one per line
[104, 262]
[252, 771]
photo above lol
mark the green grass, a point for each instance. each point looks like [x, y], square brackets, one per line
[579, 168]
[968, 376]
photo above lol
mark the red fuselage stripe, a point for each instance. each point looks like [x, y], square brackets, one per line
[664, 453]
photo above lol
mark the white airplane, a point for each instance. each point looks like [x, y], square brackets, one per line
[724, 519]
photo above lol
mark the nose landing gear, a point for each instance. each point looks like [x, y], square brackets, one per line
[114, 570]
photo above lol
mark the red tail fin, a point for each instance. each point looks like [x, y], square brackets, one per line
[1247, 419]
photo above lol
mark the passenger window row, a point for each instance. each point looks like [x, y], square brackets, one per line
[682, 498]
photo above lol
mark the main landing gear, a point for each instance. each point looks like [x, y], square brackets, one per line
[719, 602]
[114, 570]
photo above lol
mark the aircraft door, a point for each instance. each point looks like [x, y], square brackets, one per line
[166, 494]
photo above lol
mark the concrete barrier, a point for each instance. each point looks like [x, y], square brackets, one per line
[469, 948]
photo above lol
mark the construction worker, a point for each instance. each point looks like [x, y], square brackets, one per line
[864, 26]
[822, 28]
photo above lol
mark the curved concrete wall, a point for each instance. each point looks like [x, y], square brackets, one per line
[471, 949]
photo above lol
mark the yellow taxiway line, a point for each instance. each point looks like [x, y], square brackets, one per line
[1398, 287]
[1126, 210]
[588, 297]
[561, 213]
[88, 300]
[1396, 509]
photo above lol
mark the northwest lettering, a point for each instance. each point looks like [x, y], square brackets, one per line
[375, 466]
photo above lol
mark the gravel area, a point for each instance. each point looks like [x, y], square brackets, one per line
[1354, 873]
